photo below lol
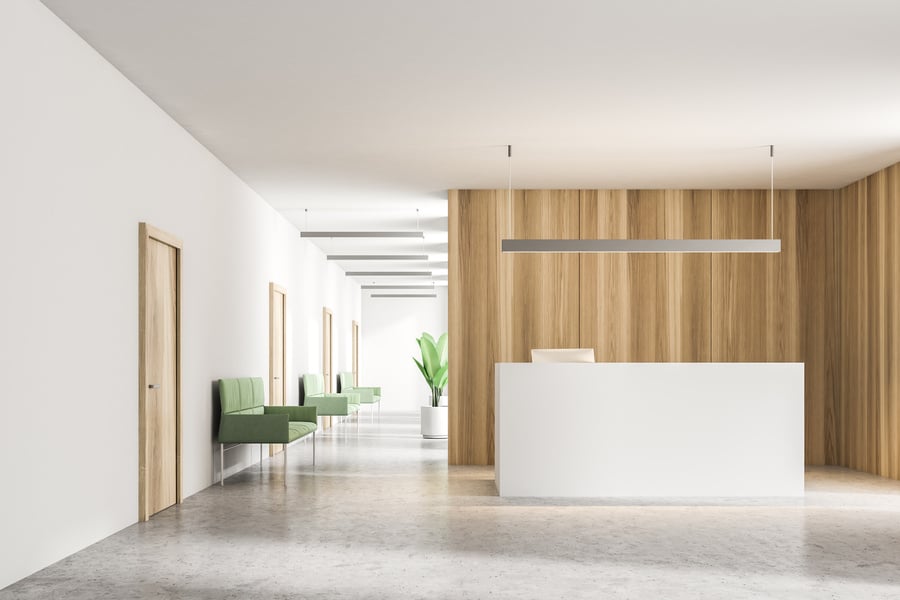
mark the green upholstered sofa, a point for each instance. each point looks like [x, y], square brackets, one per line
[312, 393]
[367, 395]
[246, 420]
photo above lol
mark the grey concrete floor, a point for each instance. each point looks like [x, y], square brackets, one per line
[383, 516]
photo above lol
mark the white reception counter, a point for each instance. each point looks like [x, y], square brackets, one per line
[649, 429]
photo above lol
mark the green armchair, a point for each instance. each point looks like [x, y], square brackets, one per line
[312, 393]
[246, 420]
[367, 395]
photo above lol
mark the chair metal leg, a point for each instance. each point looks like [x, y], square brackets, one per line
[222, 465]
[285, 464]
[260, 457]
[314, 448]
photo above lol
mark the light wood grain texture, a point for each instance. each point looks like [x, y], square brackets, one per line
[474, 321]
[815, 251]
[159, 371]
[867, 404]
[831, 299]
[541, 291]
[277, 339]
[645, 307]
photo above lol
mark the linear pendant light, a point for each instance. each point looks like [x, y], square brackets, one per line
[638, 246]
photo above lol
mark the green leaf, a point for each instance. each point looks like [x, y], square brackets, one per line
[422, 369]
[442, 349]
[428, 337]
[430, 357]
[440, 378]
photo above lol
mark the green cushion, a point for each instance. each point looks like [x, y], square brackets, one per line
[242, 396]
[298, 429]
[313, 384]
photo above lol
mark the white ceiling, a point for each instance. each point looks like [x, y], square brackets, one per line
[364, 111]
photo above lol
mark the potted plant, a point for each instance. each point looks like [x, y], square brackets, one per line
[434, 370]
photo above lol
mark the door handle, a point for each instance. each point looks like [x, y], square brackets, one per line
[277, 377]
[153, 386]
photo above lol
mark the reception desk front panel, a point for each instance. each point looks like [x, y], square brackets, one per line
[649, 429]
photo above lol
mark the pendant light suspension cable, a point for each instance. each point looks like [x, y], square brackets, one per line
[771, 192]
[509, 190]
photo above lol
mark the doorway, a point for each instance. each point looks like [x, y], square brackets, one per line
[277, 339]
[159, 371]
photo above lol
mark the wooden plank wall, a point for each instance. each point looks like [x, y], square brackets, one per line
[830, 299]
[475, 218]
[653, 307]
[866, 403]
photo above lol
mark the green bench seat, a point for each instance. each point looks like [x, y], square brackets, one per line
[367, 394]
[327, 405]
[247, 420]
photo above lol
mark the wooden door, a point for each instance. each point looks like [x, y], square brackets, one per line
[159, 396]
[326, 356]
[277, 337]
[355, 353]
[327, 349]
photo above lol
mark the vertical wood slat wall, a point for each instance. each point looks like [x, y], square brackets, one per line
[831, 299]
[866, 331]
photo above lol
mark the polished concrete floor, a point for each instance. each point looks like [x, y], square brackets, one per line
[382, 516]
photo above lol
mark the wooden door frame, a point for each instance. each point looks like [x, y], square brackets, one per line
[325, 332]
[273, 289]
[354, 340]
[146, 233]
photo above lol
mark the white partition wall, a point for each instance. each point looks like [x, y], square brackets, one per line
[84, 157]
[649, 429]
[388, 333]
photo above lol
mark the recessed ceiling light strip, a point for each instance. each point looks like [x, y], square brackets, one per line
[412, 257]
[362, 234]
[397, 287]
[404, 295]
[388, 273]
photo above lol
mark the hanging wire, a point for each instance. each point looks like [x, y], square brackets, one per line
[509, 192]
[772, 192]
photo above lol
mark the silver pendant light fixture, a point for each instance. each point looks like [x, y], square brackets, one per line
[638, 246]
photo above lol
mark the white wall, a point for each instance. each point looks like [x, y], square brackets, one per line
[85, 156]
[388, 333]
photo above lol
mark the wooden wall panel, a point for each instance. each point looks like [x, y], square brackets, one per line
[815, 251]
[890, 420]
[739, 280]
[867, 399]
[474, 322]
[645, 307]
[605, 311]
[689, 277]
[831, 299]
[541, 291]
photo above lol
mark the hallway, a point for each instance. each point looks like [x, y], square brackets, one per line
[383, 516]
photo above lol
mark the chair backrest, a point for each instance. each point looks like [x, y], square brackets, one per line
[345, 380]
[242, 396]
[566, 355]
[313, 384]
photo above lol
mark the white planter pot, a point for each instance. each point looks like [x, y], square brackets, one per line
[434, 422]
